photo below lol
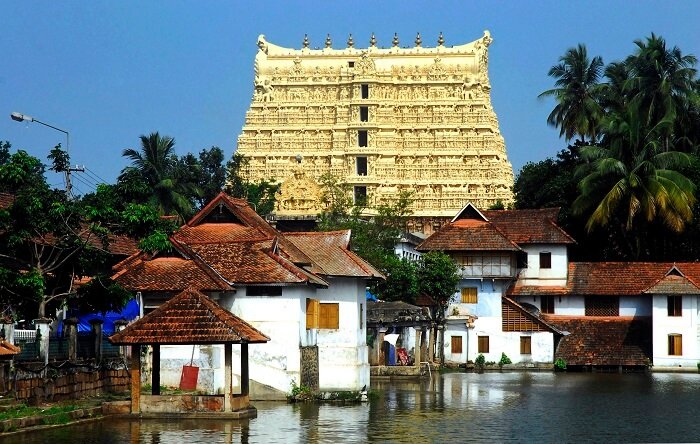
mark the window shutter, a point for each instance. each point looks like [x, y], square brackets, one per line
[312, 313]
[525, 345]
[456, 345]
[329, 316]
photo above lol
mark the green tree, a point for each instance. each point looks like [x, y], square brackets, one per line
[156, 164]
[261, 195]
[212, 179]
[401, 282]
[438, 276]
[45, 241]
[577, 110]
[635, 181]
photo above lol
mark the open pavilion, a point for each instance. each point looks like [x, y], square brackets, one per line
[190, 318]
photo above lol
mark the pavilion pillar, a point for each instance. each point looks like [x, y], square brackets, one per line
[155, 371]
[424, 343]
[245, 372]
[135, 373]
[43, 326]
[416, 350]
[381, 359]
[431, 345]
[228, 389]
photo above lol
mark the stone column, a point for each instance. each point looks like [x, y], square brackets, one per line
[70, 327]
[43, 331]
[119, 325]
[96, 325]
[423, 343]
[155, 370]
[431, 345]
[416, 349]
[381, 358]
[245, 370]
[441, 344]
[8, 327]
[228, 390]
[135, 373]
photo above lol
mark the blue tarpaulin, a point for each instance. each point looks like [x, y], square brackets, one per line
[130, 312]
[369, 296]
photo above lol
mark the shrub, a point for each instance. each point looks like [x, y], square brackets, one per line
[560, 364]
[480, 360]
[504, 360]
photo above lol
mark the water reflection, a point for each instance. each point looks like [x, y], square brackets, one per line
[456, 407]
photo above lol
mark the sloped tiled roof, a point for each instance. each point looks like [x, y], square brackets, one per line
[218, 232]
[621, 278]
[468, 234]
[330, 254]
[396, 313]
[8, 349]
[604, 341]
[522, 311]
[166, 274]
[530, 226]
[247, 262]
[189, 318]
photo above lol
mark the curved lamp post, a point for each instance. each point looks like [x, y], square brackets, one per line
[19, 117]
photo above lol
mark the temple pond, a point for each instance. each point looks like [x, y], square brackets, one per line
[454, 407]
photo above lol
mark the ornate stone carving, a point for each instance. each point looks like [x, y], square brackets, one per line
[429, 125]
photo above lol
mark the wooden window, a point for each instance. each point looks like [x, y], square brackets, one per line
[362, 138]
[456, 344]
[525, 345]
[547, 304]
[470, 295]
[364, 114]
[360, 194]
[483, 344]
[675, 345]
[312, 312]
[364, 91]
[329, 317]
[361, 165]
[515, 320]
[545, 259]
[602, 306]
[675, 305]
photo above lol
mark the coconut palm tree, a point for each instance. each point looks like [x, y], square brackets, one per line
[634, 180]
[156, 163]
[577, 111]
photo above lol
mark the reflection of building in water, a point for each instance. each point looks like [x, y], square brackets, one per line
[382, 120]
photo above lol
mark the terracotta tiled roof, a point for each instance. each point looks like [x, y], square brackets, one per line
[468, 234]
[119, 245]
[166, 274]
[530, 226]
[247, 262]
[189, 318]
[606, 341]
[7, 349]
[621, 278]
[218, 232]
[396, 313]
[330, 255]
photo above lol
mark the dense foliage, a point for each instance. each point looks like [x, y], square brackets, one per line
[627, 187]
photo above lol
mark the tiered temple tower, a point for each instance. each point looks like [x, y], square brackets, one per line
[381, 120]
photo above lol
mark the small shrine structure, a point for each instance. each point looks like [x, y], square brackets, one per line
[190, 318]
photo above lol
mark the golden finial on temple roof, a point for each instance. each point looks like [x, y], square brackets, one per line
[419, 41]
[441, 39]
[373, 40]
[351, 42]
[328, 41]
[395, 41]
[306, 41]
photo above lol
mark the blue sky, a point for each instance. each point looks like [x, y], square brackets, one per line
[109, 71]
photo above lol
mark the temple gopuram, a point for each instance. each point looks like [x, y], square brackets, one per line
[381, 120]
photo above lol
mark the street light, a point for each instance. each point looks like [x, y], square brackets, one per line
[19, 117]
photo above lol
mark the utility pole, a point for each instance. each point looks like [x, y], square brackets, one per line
[19, 117]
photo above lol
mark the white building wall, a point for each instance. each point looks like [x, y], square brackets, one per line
[534, 275]
[343, 354]
[685, 325]
[575, 305]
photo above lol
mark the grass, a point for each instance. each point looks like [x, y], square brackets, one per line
[23, 410]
